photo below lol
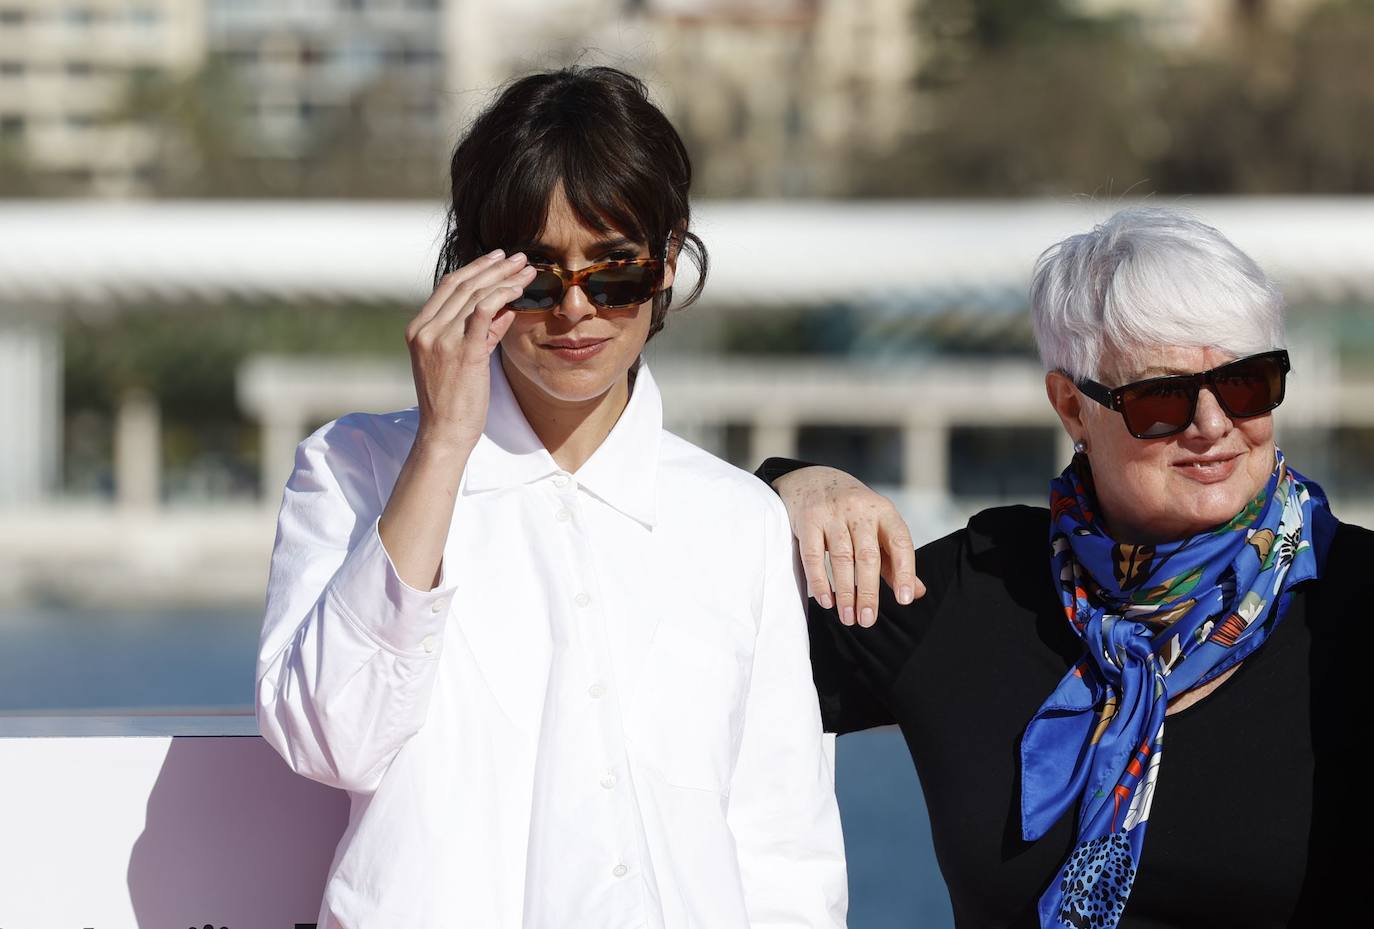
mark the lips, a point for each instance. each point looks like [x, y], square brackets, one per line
[575, 349]
[1208, 469]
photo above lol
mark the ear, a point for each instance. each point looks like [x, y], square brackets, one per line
[1068, 403]
[670, 256]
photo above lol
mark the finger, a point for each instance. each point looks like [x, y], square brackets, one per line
[499, 327]
[840, 547]
[477, 325]
[868, 563]
[812, 549]
[461, 301]
[454, 331]
[899, 558]
[452, 281]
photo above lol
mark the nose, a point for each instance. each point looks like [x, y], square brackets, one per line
[575, 306]
[1210, 421]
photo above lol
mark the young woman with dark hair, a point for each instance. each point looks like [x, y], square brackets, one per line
[556, 655]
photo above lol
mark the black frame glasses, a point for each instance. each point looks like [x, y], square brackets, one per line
[609, 285]
[1158, 407]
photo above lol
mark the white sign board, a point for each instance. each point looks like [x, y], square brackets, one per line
[161, 832]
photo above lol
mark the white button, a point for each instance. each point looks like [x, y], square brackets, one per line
[582, 599]
[563, 516]
[620, 870]
[608, 781]
[428, 643]
[596, 690]
[560, 480]
[438, 606]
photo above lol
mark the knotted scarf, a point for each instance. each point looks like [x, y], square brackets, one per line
[1155, 620]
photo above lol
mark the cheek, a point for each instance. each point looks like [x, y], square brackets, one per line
[1258, 432]
[520, 338]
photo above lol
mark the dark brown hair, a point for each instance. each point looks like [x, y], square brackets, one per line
[622, 165]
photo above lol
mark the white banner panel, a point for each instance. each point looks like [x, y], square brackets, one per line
[161, 832]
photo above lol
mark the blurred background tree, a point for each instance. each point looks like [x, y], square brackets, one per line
[1040, 97]
[206, 148]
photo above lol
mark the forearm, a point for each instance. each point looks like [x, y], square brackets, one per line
[352, 683]
[349, 650]
[415, 523]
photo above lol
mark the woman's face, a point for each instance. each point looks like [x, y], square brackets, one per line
[577, 352]
[1156, 490]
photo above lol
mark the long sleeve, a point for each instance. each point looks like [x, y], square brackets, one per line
[349, 652]
[783, 811]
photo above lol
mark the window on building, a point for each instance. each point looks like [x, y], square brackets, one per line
[79, 16]
[10, 16]
[79, 69]
[1002, 462]
[736, 445]
[873, 454]
[1349, 477]
[11, 68]
[77, 176]
[11, 126]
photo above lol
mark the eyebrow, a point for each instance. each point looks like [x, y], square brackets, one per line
[604, 245]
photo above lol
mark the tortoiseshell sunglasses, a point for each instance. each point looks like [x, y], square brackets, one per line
[610, 285]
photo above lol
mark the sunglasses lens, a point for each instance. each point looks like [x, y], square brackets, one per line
[1250, 387]
[625, 285]
[542, 293]
[1155, 410]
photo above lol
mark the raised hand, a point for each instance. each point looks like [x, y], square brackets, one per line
[451, 340]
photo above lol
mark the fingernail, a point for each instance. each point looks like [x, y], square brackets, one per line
[847, 615]
[904, 594]
[826, 601]
[518, 256]
[495, 253]
[866, 617]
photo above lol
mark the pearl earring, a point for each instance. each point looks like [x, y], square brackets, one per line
[1080, 447]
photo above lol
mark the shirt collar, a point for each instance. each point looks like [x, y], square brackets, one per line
[621, 472]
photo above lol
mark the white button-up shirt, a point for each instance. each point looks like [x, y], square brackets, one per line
[602, 716]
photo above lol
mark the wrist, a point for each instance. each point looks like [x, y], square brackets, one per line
[441, 447]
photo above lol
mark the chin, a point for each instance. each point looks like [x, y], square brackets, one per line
[580, 383]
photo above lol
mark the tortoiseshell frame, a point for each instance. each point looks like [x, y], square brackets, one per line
[575, 279]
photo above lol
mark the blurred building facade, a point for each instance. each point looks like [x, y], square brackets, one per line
[783, 95]
[776, 97]
[305, 63]
[907, 362]
[63, 70]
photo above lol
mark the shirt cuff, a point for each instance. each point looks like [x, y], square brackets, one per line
[394, 614]
[774, 468]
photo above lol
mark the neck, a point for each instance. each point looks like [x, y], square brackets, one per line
[571, 430]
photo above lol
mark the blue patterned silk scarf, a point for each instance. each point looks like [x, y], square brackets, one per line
[1155, 620]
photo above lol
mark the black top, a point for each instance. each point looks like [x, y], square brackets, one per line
[1256, 781]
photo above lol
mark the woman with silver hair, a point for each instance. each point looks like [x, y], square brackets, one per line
[1184, 578]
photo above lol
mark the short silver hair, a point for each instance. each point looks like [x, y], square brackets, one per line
[1149, 276]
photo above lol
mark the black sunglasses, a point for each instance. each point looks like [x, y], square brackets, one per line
[1162, 406]
[610, 285]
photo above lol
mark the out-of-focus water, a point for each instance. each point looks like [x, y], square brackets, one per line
[198, 659]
